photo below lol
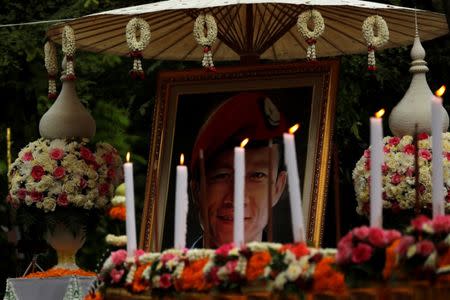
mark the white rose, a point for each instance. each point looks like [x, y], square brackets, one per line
[49, 204]
[292, 272]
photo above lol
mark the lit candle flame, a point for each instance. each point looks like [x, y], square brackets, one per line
[294, 128]
[244, 142]
[379, 113]
[440, 91]
[182, 159]
[128, 157]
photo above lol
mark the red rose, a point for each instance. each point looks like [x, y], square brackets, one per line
[367, 164]
[21, 193]
[86, 154]
[387, 149]
[422, 136]
[447, 155]
[361, 253]
[410, 172]
[424, 247]
[103, 189]
[27, 156]
[394, 140]
[108, 158]
[425, 154]
[418, 222]
[409, 149]
[422, 188]
[367, 153]
[392, 235]
[111, 174]
[62, 200]
[83, 183]
[377, 237]
[56, 153]
[59, 172]
[36, 196]
[361, 232]
[37, 172]
[384, 169]
[164, 281]
[344, 254]
[396, 179]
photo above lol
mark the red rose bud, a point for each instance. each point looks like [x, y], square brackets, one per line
[422, 136]
[86, 154]
[83, 183]
[361, 253]
[36, 196]
[27, 156]
[62, 199]
[52, 96]
[37, 172]
[59, 172]
[21, 193]
[409, 149]
[56, 153]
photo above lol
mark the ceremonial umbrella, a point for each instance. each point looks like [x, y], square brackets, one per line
[249, 28]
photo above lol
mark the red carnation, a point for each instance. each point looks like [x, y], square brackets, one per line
[422, 136]
[37, 172]
[425, 154]
[394, 140]
[387, 149]
[36, 196]
[103, 189]
[367, 164]
[441, 224]
[418, 222]
[384, 169]
[367, 153]
[447, 155]
[62, 199]
[409, 149]
[86, 154]
[59, 172]
[27, 156]
[56, 153]
[361, 253]
[410, 172]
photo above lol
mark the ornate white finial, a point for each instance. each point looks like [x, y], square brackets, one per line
[415, 107]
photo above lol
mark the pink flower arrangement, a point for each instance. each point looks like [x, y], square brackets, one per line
[364, 248]
[399, 174]
[52, 173]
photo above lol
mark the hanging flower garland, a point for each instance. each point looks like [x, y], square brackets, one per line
[311, 36]
[51, 64]
[137, 46]
[207, 41]
[69, 48]
[374, 41]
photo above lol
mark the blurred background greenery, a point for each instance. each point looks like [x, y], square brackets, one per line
[117, 102]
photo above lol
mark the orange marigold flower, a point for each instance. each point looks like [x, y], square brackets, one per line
[192, 277]
[93, 296]
[118, 213]
[256, 264]
[59, 273]
[139, 284]
[391, 259]
[326, 278]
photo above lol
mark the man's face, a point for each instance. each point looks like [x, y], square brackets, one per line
[220, 187]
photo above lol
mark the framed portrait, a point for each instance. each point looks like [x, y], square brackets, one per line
[303, 92]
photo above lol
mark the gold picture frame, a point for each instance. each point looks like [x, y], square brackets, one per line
[318, 79]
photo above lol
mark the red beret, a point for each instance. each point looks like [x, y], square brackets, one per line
[246, 115]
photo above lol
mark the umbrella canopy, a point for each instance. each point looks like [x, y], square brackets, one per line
[266, 29]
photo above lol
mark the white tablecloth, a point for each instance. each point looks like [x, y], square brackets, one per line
[57, 288]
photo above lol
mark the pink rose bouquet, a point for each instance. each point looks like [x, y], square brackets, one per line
[362, 253]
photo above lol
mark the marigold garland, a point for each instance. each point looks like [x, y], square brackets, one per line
[311, 36]
[51, 65]
[117, 213]
[138, 284]
[59, 273]
[192, 277]
[391, 259]
[137, 46]
[69, 48]
[207, 41]
[374, 41]
[326, 278]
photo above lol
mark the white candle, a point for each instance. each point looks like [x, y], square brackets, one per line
[181, 205]
[376, 161]
[239, 194]
[437, 177]
[290, 156]
[129, 206]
